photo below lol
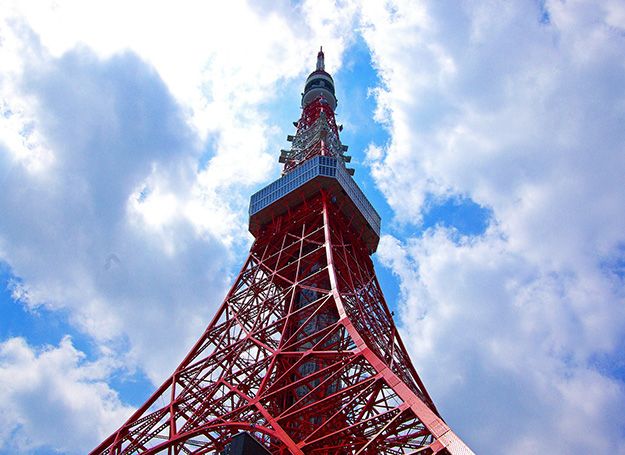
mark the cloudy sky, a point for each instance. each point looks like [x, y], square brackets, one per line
[489, 134]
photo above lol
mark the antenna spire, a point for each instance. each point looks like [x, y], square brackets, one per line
[320, 60]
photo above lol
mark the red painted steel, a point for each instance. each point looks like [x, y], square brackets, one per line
[303, 354]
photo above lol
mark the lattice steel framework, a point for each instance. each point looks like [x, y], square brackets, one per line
[303, 353]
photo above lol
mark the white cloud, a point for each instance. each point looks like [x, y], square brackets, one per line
[113, 130]
[222, 64]
[503, 345]
[54, 398]
[524, 116]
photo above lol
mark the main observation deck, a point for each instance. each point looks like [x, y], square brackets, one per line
[319, 172]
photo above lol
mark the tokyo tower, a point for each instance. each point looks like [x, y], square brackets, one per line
[303, 356]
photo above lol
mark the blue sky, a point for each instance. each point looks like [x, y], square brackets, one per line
[489, 136]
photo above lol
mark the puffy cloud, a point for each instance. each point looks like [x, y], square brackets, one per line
[223, 64]
[54, 398]
[80, 233]
[492, 335]
[518, 107]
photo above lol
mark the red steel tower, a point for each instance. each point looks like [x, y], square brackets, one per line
[303, 353]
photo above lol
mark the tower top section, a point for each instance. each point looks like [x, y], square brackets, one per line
[316, 163]
[319, 84]
[317, 132]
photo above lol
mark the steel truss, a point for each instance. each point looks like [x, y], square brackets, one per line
[303, 353]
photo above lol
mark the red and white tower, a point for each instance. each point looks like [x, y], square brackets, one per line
[303, 354]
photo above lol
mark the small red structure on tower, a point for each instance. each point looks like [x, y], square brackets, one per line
[303, 353]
